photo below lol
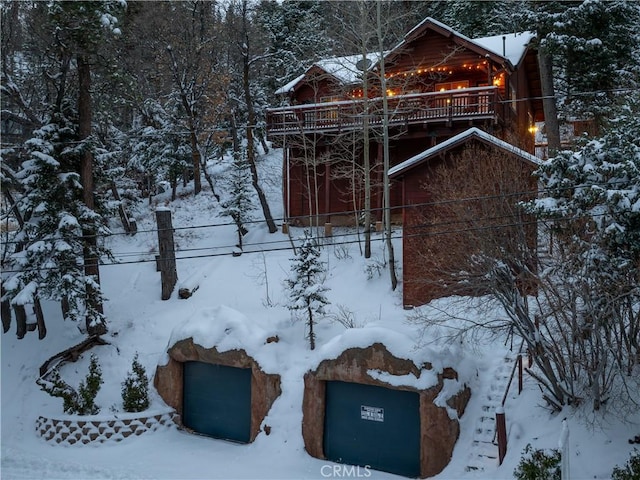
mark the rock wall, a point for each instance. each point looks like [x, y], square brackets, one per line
[168, 380]
[438, 432]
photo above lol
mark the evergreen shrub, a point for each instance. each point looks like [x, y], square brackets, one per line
[135, 388]
[82, 401]
[538, 465]
[630, 471]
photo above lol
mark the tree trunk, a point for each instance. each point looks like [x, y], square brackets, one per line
[21, 320]
[6, 312]
[195, 155]
[42, 328]
[549, 103]
[94, 326]
[251, 120]
[312, 335]
[365, 134]
[385, 152]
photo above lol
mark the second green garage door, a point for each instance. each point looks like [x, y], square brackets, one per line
[217, 400]
[374, 426]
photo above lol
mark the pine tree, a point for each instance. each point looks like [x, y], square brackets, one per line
[593, 206]
[135, 388]
[158, 148]
[50, 264]
[594, 46]
[306, 287]
[240, 203]
[88, 389]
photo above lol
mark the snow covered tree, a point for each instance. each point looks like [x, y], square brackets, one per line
[297, 37]
[306, 286]
[248, 96]
[594, 50]
[51, 262]
[159, 149]
[135, 388]
[593, 207]
[240, 202]
[82, 401]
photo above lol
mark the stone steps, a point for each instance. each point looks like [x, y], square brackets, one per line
[484, 447]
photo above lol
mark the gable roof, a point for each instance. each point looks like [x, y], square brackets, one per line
[346, 70]
[461, 138]
[509, 47]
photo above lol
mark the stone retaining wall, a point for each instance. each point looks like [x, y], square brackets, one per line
[76, 430]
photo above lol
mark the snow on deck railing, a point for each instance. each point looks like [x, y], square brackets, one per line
[414, 108]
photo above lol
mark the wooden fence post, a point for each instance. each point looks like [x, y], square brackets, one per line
[563, 443]
[501, 430]
[519, 374]
[167, 260]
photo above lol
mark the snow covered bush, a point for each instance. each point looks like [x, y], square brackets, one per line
[135, 388]
[306, 286]
[630, 471]
[538, 465]
[82, 401]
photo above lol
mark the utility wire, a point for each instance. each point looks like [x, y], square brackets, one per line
[526, 195]
[331, 242]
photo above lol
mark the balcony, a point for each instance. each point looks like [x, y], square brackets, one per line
[442, 108]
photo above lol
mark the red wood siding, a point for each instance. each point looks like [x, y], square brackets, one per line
[436, 242]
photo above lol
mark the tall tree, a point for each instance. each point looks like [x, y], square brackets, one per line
[81, 27]
[247, 57]
[240, 201]
[306, 286]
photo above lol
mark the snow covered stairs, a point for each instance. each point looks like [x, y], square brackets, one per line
[484, 445]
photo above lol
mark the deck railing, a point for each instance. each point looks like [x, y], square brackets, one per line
[412, 109]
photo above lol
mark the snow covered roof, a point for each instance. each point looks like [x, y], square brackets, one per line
[510, 46]
[456, 140]
[513, 48]
[345, 69]
[289, 86]
[515, 45]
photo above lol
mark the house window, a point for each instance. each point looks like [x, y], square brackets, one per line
[441, 87]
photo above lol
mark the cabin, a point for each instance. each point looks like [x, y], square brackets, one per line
[437, 82]
[460, 202]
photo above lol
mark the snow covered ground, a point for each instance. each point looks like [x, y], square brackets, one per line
[252, 284]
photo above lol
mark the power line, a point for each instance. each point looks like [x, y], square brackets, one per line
[526, 195]
[332, 242]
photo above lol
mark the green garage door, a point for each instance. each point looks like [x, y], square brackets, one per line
[217, 400]
[374, 426]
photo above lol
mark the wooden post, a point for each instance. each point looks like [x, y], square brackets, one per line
[167, 261]
[285, 228]
[501, 430]
[6, 312]
[21, 320]
[37, 309]
[378, 226]
[328, 230]
[519, 374]
[563, 443]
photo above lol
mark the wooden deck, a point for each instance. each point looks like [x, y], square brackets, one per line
[469, 104]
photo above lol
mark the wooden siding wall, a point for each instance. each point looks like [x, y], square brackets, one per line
[334, 199]
[435, 243]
